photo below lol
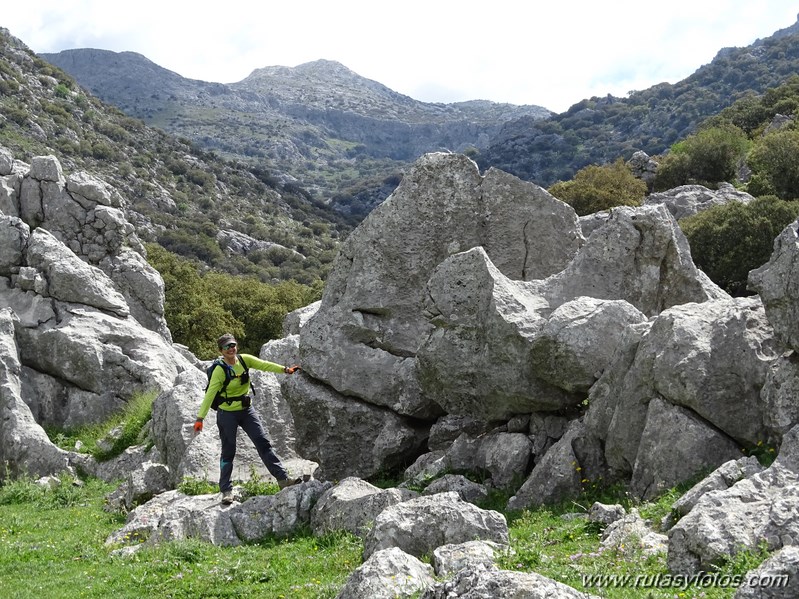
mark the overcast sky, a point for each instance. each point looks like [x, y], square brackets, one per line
[548, 53]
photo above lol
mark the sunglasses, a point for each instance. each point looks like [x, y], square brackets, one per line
[229, 346]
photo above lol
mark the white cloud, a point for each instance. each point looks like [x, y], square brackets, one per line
[552, 55]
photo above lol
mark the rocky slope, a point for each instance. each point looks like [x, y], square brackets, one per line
[283, 118]
[188, 200]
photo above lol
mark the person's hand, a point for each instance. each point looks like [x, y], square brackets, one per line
[291, 369]
[198, 425]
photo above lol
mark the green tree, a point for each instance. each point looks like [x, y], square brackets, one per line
[775, 163]
[596, 188]
[730, 240]
[200, 307]
[193, 314]
[708, 157]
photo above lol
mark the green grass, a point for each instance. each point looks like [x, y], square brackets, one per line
[130, 421]
[52, 545]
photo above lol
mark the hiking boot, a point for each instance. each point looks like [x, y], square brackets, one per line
[287, 482]
[227, 497]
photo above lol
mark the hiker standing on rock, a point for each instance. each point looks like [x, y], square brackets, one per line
[228, 392]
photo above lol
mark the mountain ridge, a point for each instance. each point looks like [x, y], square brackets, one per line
[319, 124]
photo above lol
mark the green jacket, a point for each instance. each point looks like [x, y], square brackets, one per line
[235, 387]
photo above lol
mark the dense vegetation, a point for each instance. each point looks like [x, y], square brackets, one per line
[755, 145]
[596, 188]
[600, 130]
[730, 240]
[181, 197]
[201, 304]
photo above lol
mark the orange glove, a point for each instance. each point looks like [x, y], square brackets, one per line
[291, 369]
[198, 425]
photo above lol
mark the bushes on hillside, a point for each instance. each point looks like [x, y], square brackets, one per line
[596, 188]
[200, 307]
[730, 240]
[775, 168]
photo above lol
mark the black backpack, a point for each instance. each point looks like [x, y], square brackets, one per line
[229, 376]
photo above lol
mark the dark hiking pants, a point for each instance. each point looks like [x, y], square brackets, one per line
[228, 424]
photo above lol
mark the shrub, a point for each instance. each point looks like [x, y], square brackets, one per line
[774, 163]
[706, 158]
[730, 240]
[596, 188]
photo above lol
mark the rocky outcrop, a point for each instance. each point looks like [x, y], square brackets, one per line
[352, 505]
[487, 582]
[85, 214]
[173, 516]
[419, 526]
[762, 508]
[777, 283]
[688, 200]
[24, 446]
[372, 309]
[85, 311]
[459, 291]
[388, 574]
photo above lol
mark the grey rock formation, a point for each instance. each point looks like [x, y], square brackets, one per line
[466, 489]
[777, 283]
[24, 446]
[450, 559]
[173, 516]
[763, 507]
[720, 479]
[347, 436]
[388, 574]
[485, 326]
[421, 525]
[372, 310]
[639, 255]
[86, 215]
[676, 445]
[775, 578]
[486, 582]
[688, 200]
[630, 533]
[352, 505]
[504, 456]
[681, 358]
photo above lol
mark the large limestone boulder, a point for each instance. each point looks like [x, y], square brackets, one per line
[777, 283]
[69, 279]
[96, 361]
[478, 360]
[347, 436]
[388, 574]
[775, 578]
[763, 507]
[25, 448]
[370, 323]
[421, 525]
[684, 359]
[687, 200]
[352, 505]
[87, 216]
[639, 255]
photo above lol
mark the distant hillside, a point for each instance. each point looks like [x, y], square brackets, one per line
[237, 218]
[599, 130]
[340, 135]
